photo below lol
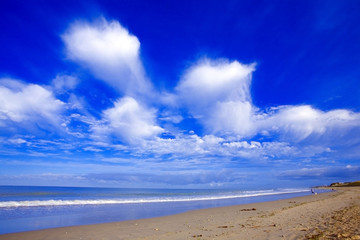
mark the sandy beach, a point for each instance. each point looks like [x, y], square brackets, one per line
[333, 215]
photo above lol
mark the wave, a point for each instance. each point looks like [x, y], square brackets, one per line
[43, 203]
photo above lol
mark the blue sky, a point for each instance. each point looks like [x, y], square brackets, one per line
[179, 94]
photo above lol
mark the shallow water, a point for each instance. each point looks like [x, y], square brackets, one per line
[34, 208]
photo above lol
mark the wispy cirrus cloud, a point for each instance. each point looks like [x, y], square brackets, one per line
[63, 83]
[198, 177]
[334, 172]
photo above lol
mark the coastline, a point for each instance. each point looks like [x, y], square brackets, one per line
[327, 214]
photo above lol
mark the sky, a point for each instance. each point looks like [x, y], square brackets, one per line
[179, 94]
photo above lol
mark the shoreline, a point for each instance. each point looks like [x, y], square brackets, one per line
[300, 217]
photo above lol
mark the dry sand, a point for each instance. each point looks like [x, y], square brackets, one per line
[334, 215]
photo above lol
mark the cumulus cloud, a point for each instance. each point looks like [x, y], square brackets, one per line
[110, 52]
[299, 123]
[217, 93]
[28, 105]
[128, 120]
[211, 81]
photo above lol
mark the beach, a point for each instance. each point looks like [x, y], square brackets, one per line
[332, 215]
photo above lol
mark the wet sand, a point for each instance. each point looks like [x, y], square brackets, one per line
[333, 215]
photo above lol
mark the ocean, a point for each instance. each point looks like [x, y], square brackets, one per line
[33, 208]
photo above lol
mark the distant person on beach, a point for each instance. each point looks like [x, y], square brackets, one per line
[312, 191]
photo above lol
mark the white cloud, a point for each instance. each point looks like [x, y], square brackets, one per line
[129, 121]
[28, 104]
[110, 52]
[169, 116]
[209, 149]
[63, 83]
[209, 82]
[182, 145]
[231, 118]
[17, 141]
[298, 123]
[217, 93]
[92, 149]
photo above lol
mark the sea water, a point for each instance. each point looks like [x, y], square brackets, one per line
[34, 208]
